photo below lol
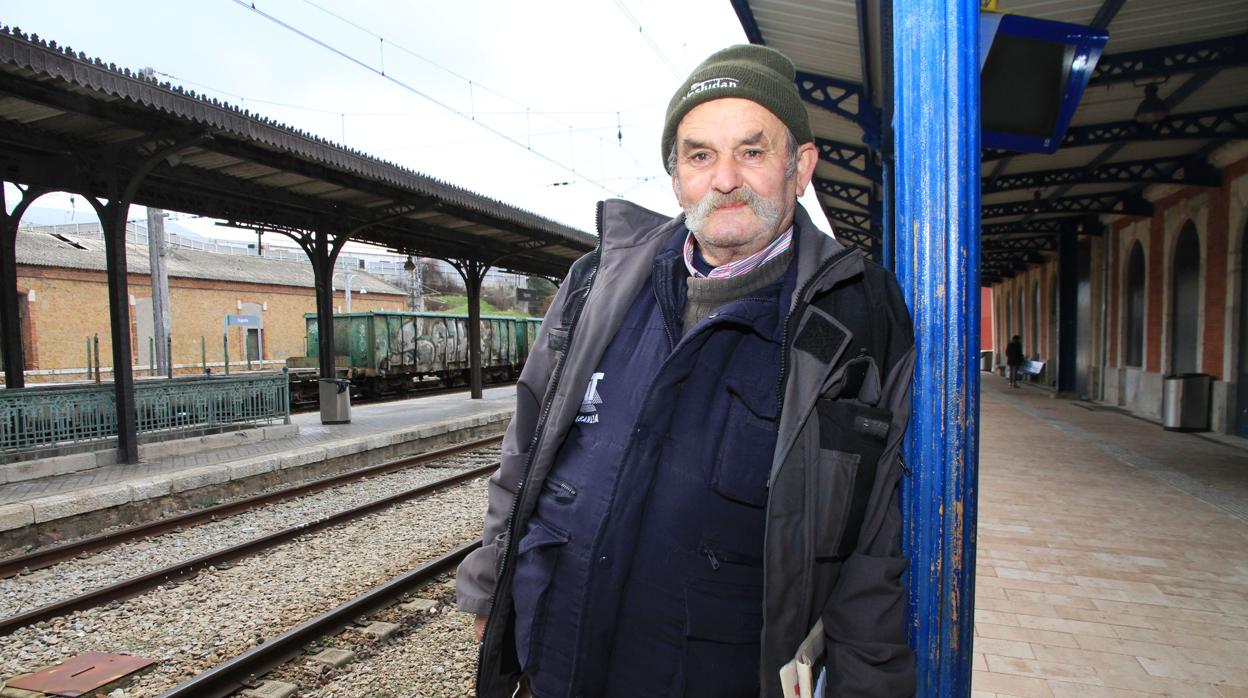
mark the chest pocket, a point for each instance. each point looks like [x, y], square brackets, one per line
[851, 441]
[748, 444]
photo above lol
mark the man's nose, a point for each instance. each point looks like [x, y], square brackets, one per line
[727, 175]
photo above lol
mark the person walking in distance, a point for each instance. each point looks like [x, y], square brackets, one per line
[703, 466]
[1014, 358]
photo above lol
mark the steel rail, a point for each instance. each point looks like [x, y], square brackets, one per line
[50, 556]
[129, 588]
[241, 671]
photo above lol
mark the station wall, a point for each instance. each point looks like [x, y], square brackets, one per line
[1167, 294]
[70, 306]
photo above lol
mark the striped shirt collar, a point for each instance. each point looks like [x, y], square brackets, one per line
[741, 266]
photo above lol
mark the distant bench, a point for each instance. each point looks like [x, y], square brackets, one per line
[1032, 368]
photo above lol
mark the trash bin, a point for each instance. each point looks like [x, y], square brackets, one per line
[335, 401]
[1185, 402]
[985, 361]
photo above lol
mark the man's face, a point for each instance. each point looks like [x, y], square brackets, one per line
[731, 156]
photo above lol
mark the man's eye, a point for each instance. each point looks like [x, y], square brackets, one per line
[752, 154]
[700, 157]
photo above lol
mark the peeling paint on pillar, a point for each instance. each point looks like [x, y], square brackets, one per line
[936, 126]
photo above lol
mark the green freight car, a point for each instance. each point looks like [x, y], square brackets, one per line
[386, 353]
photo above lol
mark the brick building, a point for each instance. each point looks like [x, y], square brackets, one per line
[1177, 300]
[64, 303]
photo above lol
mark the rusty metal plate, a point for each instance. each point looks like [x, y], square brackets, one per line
[82, 674]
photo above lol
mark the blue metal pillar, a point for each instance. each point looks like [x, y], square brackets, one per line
[936, 123]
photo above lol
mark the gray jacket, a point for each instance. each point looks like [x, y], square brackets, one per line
[833, 523]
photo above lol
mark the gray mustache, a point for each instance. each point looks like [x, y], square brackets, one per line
[707, 205]
[715, 200]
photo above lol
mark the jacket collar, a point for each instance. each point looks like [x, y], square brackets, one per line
[814, 249]
[625, 225]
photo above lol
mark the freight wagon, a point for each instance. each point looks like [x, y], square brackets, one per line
[391, 353]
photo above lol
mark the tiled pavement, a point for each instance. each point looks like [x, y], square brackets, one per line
[365, 420]
[1113, 556]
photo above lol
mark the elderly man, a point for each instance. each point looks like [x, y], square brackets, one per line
[702, 469]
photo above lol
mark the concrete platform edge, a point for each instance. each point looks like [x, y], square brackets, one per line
[46, 520]
[89, 460]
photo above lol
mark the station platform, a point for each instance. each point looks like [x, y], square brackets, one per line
[178, 475]
[1112, 555]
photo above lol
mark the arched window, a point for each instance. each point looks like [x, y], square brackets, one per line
[1185, 302]
[1000, 324]
[1009, 319]
[1133, 342]
[1022, 317]
[1035, 320]
[1053, 311]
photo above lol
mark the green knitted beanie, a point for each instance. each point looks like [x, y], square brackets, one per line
[756, 73]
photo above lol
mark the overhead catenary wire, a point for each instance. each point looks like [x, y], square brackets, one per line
[618, 127]
[416, 91]
[474, 85]
[404, 114]
[528, 134]
[645, 35]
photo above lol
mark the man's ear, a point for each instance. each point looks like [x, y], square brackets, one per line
[676, 188]
[807, 158]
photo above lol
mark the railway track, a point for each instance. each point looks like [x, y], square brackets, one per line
[226, 611]
[136, 585]
[243, 671]
[50, 556]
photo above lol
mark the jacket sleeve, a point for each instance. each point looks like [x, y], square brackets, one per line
[865, 617]
[477, 575]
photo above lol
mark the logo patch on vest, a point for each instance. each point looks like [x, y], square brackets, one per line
[588, 413]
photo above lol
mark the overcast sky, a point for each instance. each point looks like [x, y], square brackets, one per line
[548, 106]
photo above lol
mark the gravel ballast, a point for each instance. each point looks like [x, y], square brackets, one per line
[39, 588]
[195, 624]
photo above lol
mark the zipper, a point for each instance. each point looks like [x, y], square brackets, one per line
[671, 342]
[710, 555]
[539, 429]
[561, 491]
[798, 296]
[730, 558]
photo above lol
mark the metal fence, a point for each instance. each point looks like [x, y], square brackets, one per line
[34, 419]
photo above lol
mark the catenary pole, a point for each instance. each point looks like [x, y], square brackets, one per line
[156, 253]
[936, 122]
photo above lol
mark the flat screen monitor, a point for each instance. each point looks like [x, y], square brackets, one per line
[1032, 75]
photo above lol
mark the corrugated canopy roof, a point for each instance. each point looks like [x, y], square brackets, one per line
[68, 122]
[1197, 53]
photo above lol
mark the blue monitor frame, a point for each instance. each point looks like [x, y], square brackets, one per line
[1087, 44]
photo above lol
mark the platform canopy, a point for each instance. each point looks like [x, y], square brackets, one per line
[1195, 53]
[68, 121]
[71, 123]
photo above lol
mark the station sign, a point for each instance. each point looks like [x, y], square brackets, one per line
[242, 321]
[526, 294]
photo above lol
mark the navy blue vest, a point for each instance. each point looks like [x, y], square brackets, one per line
[639, 572]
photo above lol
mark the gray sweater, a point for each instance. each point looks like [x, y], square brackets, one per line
[704, 295]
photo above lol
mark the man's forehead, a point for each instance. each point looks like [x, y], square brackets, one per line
[733, 121]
